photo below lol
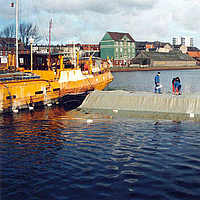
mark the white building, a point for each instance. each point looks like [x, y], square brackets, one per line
[184, 40]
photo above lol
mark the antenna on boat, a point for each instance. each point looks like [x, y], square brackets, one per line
[31, 40]
[17, 5]
[49, 60]
[74, 54]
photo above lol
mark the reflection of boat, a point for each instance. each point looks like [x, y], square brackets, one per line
[59, 84]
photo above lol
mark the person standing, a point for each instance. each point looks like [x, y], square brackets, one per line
[157, 83]
[177, 86]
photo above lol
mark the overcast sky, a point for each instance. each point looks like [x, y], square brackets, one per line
[86, 21]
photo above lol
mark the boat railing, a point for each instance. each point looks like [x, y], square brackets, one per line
[17, 77]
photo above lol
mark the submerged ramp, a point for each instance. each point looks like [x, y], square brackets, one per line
[144, 103]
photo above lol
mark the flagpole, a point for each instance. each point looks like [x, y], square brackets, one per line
[17, 64]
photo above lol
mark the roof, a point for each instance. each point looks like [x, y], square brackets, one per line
[118, 36]
[5, 41]
[155, 43]
[170, 56]
[194, 54]
[192, 49]
[9, 43]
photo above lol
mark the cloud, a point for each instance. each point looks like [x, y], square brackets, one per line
[187, 16]
[98, 6]
[90, 19]
[6, 11]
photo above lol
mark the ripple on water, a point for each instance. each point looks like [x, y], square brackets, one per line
[59, 156]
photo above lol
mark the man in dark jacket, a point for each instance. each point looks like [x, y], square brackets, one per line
[157, 83]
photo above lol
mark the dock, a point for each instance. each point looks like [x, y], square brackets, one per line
[144, 104]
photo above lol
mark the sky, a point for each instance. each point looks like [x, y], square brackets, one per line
[87, 21]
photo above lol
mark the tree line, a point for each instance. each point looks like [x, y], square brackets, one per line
[26, 30]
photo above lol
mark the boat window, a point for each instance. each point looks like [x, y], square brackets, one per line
[11, 97]
[39, 92]
[39, 60]
[56, 89]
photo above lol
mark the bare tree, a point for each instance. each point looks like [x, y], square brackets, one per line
[28, 30]
[9, 31]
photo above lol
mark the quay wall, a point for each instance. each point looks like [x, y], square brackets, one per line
[147, 68]
[185, 104]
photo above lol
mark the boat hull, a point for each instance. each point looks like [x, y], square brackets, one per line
[66, 91]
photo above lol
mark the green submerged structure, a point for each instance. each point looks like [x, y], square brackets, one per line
[144, 105]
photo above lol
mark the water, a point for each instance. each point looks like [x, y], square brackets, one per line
[144, 81]
[55, 154]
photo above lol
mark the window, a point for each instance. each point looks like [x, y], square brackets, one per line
[121, 43]
[117, 62]
[21, 60]
[1, 53]
[121, 55]
[129, 50]
[40, 60]
[10, 52]
[129, 56]
[133, 44]
[124, 44]
[129, 44]
[121, 50]
[6, 53]
[133, 50]
[116, 43]
[125, 53]
[116, 49]
[116, 55]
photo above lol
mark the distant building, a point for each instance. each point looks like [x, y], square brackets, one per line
[120, 47]
[162, 59]
[152, 46]
[180, 47]
[194, 52]
[70, 50]
[183, 40]
[8, 48]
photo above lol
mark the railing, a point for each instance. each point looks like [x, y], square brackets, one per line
[17, 78]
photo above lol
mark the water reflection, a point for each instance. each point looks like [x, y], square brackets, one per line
[55, 154]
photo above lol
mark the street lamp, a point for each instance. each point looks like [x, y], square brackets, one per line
[31, 40]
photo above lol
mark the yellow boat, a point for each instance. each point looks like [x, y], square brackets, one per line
[43, 85]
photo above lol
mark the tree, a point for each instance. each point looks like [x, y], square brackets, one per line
[27, 30]
[9, 31]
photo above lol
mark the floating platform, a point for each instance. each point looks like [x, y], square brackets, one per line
[144, 104]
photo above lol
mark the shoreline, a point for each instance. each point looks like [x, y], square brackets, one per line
[127, 69]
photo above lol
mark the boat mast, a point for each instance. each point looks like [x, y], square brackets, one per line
[49, 60]
[17, 5]
[74, 54]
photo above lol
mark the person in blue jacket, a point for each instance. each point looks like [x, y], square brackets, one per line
[157, 83]
[177, 86]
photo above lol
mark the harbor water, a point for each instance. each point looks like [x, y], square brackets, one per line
[144, 80]
[56, 154]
